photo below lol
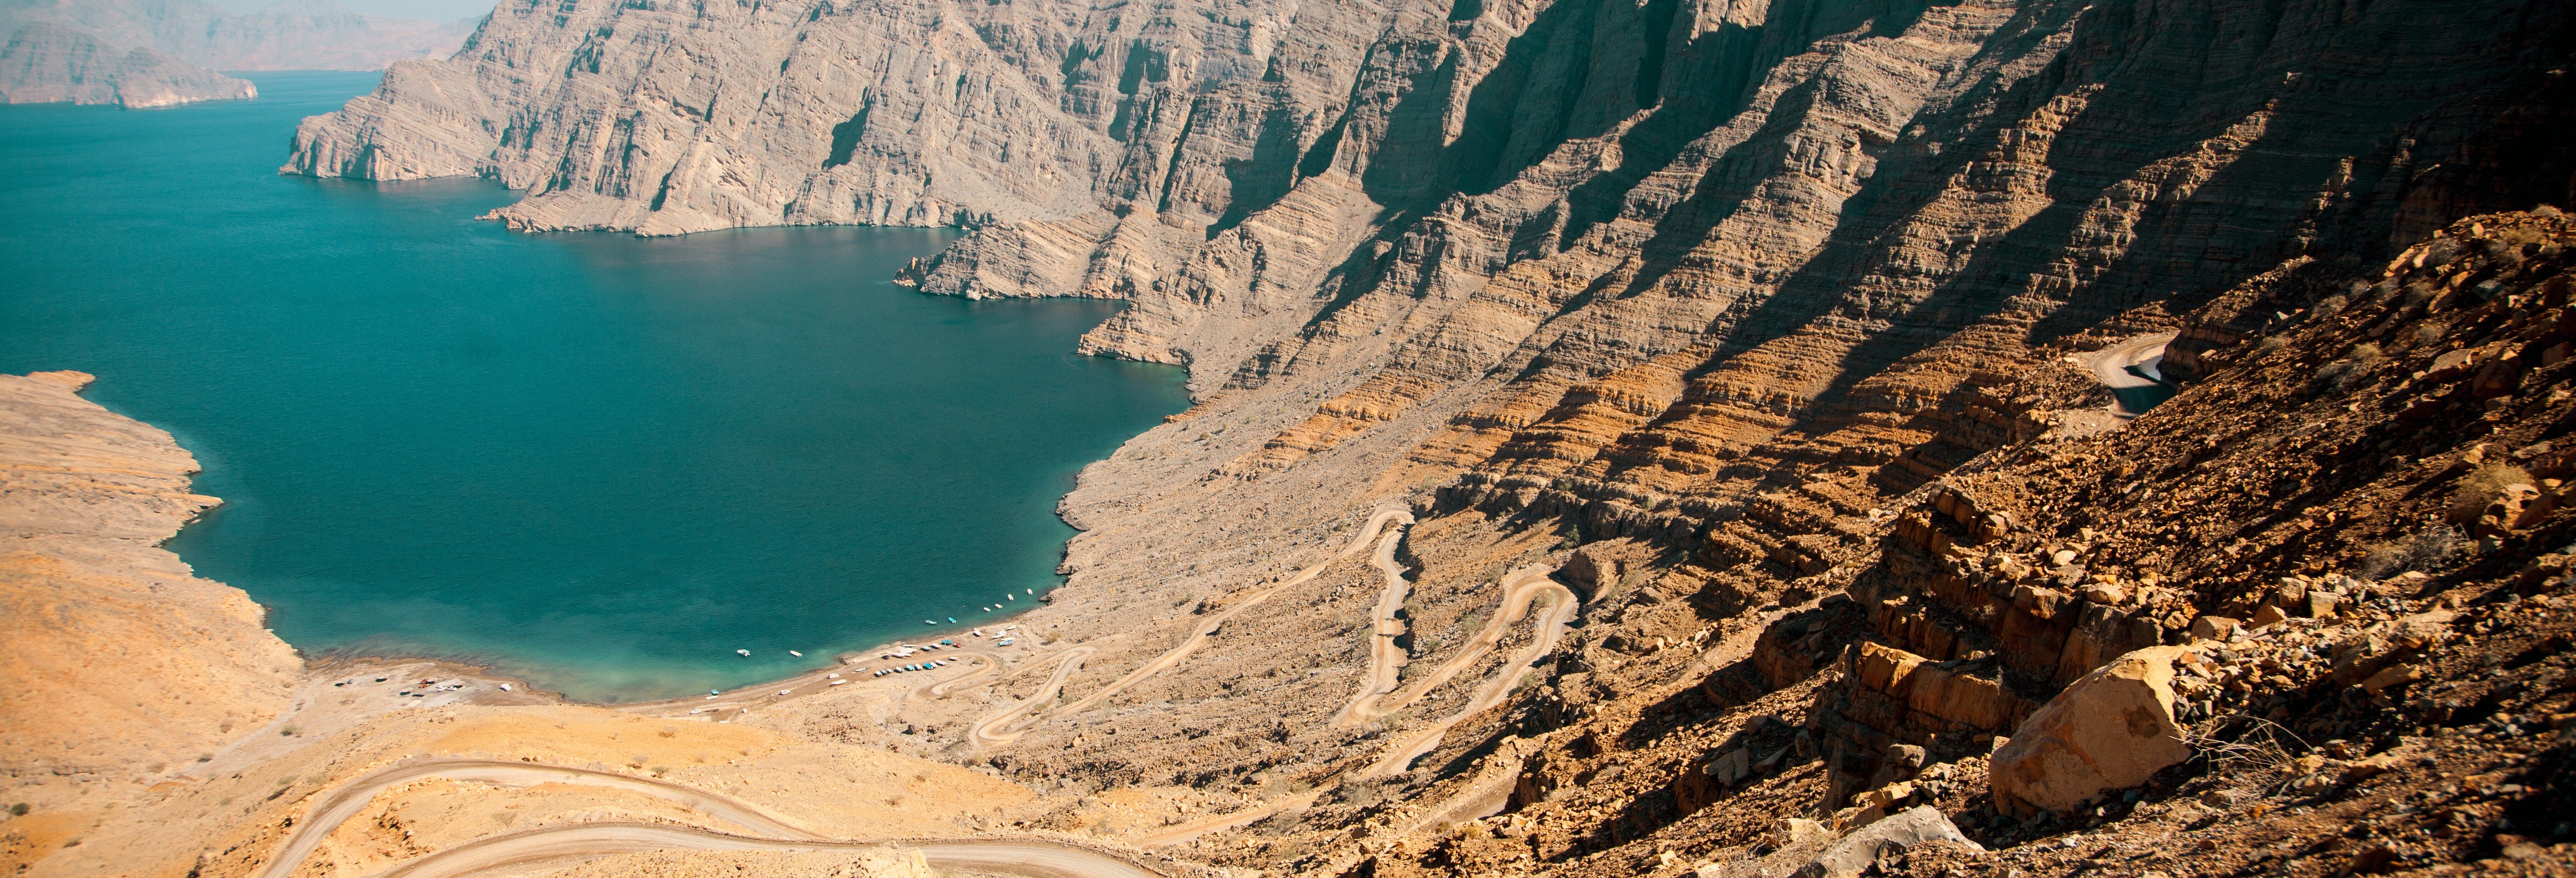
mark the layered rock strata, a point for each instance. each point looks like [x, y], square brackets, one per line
[43, 64]
[1776, 311]
[288, 35]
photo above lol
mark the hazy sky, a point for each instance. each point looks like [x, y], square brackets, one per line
[432, 10]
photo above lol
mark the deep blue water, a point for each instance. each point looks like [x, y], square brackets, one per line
[599, 461]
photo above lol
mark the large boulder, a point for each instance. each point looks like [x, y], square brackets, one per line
[1854, 853]
[2110, 730]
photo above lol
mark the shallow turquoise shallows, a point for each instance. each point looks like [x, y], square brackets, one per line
[599, 461]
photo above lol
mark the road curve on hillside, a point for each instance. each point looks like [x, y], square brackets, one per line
[1009, 723]
[992, 665]
[983, 732]
[1518, 588]
[1386, 660]
[1030, 858]
[1522, 589]
[2131, 393]
[349, 798]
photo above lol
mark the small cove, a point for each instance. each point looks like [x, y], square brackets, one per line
[597, 461]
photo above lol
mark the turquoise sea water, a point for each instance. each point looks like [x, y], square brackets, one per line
[599, 461]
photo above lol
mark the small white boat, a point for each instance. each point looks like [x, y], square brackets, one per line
[838, 682]
[1010, 597]
[709, 698]
[694, 711]
[831, 676]
[1002, 642]
[928, 622]
[745, 653]
[795, 653]
[505, 687]
[785, 691]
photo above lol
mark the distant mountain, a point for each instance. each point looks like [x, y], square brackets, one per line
[156, 52]
[291, 35]
[46, 63]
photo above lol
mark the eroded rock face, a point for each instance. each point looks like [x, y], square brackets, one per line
[2110, 730]
[293, 35]
[42, 64]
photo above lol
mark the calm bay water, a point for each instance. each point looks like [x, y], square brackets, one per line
[600, 461]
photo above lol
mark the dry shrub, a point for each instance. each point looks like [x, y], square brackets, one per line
[2261, 752]
[2347, 372]
[2479, 488]
[2428, 550]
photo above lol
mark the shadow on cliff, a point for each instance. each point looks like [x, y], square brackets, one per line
[2180, 249]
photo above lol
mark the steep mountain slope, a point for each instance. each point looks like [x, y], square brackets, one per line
[288, 35]
[1752, 322]
[43, 63]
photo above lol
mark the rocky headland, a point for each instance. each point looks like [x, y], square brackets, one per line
[44, 64]
[1646, 439]
[153, 54]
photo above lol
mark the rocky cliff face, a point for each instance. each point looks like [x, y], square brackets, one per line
[138, 54]
[1773, 327]
[289, 35]
[47, 64]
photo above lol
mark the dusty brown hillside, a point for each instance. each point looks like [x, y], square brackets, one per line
[2354, 523]
[1625, 428]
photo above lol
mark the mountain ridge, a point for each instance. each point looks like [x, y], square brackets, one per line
[1771, 333]
[137, 54]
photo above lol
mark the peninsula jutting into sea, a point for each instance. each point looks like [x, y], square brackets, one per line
[892, 438]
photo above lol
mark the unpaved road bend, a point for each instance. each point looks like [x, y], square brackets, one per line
[1000, 727]
[1008, 724]
[1522, 589]
[1519, 589]
[1030, 858]
[2131, 393]
[352, 797]
[1386, 660]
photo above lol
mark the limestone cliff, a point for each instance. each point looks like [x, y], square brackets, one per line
[1772, 327]
[287, 35]
[42, 64]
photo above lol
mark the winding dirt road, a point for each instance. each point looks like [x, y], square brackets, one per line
[1521, 590]
[1034, 859]
[1386, 660]
[1009, 723]
[1027, 857]
[2131, 393]
[352, 797]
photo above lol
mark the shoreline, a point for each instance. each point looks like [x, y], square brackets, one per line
[329, 663]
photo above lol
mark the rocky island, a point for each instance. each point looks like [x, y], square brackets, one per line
[1630, 439]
